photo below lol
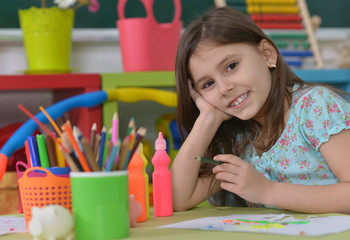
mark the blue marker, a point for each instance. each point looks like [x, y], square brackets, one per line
[34, 154]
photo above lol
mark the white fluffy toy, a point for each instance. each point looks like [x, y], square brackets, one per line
[51, 222]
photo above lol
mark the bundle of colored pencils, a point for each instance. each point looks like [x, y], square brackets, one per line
[104, 151]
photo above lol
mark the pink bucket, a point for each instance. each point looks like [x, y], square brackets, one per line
[147, 45]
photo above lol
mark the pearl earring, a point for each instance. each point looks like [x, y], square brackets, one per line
[273, 65]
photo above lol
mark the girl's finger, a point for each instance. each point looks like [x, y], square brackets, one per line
[230, 187]
[226, 177]
[226, 167]
[229, 158]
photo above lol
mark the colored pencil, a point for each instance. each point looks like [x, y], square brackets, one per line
[141, 133]
[123, 152]
[53, 123]
[89, 154]
[81, 157]
[208, 160]
[115, 122]
[132, 137]
[71, 163]
[77, 136]
[102, 146]
[97, 145]
[37, 121]
[116, 159]
[66, 143]
[93, 134]
[26, 146]
[112, 156]
[108, 147]
[131, 126]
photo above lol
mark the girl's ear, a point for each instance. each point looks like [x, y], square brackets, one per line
[269, 52]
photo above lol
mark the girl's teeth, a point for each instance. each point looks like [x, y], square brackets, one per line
[240, 99]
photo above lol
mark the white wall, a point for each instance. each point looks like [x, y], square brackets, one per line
[98, 50]
[93, 51]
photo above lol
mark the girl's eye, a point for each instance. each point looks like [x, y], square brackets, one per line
[231, 66]
[207, 84]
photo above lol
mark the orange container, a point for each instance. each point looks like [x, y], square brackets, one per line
[137, 183]
[147, 45]
[45, 189]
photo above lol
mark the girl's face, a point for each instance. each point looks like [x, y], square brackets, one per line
[234, 78]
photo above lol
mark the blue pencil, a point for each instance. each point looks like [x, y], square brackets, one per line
[102, 146]
[112, 156]
[34, 154]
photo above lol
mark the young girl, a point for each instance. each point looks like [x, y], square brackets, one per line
[284, 142]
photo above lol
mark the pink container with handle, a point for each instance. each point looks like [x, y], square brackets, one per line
[147, 45]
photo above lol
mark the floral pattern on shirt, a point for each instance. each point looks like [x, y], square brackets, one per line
[316, 114]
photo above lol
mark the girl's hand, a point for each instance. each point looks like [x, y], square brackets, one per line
[204, 106]
[241, 178]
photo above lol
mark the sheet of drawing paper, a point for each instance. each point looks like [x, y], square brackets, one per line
[272, 224]
[11, 224]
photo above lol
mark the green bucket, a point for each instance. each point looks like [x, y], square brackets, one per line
[47, 38]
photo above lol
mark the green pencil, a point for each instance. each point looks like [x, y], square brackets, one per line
[208, 160]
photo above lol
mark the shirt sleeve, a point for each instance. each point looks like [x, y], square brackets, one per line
[322, 113]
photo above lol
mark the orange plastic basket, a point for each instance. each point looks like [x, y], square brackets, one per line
[43, 190]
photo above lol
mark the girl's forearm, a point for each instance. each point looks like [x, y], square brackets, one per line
[188, 189]
[310, 198]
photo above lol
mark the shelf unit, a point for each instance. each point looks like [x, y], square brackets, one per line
[62, 86]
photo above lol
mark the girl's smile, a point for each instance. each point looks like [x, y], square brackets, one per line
[239, 101]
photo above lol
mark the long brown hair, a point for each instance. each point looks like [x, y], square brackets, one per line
[223, 26]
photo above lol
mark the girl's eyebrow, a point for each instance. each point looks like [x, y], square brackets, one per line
[225, 58]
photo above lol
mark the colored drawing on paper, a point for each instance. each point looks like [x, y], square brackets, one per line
[255, 224]
[252, 225]
[10, 224]
[269, 223]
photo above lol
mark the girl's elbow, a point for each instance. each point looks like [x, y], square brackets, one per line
[179, 207]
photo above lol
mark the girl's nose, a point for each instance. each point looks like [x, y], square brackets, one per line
[225, 86]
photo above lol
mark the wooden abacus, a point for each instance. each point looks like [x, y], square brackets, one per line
[287, 23]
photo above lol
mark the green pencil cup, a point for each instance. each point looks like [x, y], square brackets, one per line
[100, 205]
[47, 38]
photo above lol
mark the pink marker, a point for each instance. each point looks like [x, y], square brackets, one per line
[161, 177]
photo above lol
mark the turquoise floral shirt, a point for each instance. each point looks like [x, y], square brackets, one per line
[316, 114]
